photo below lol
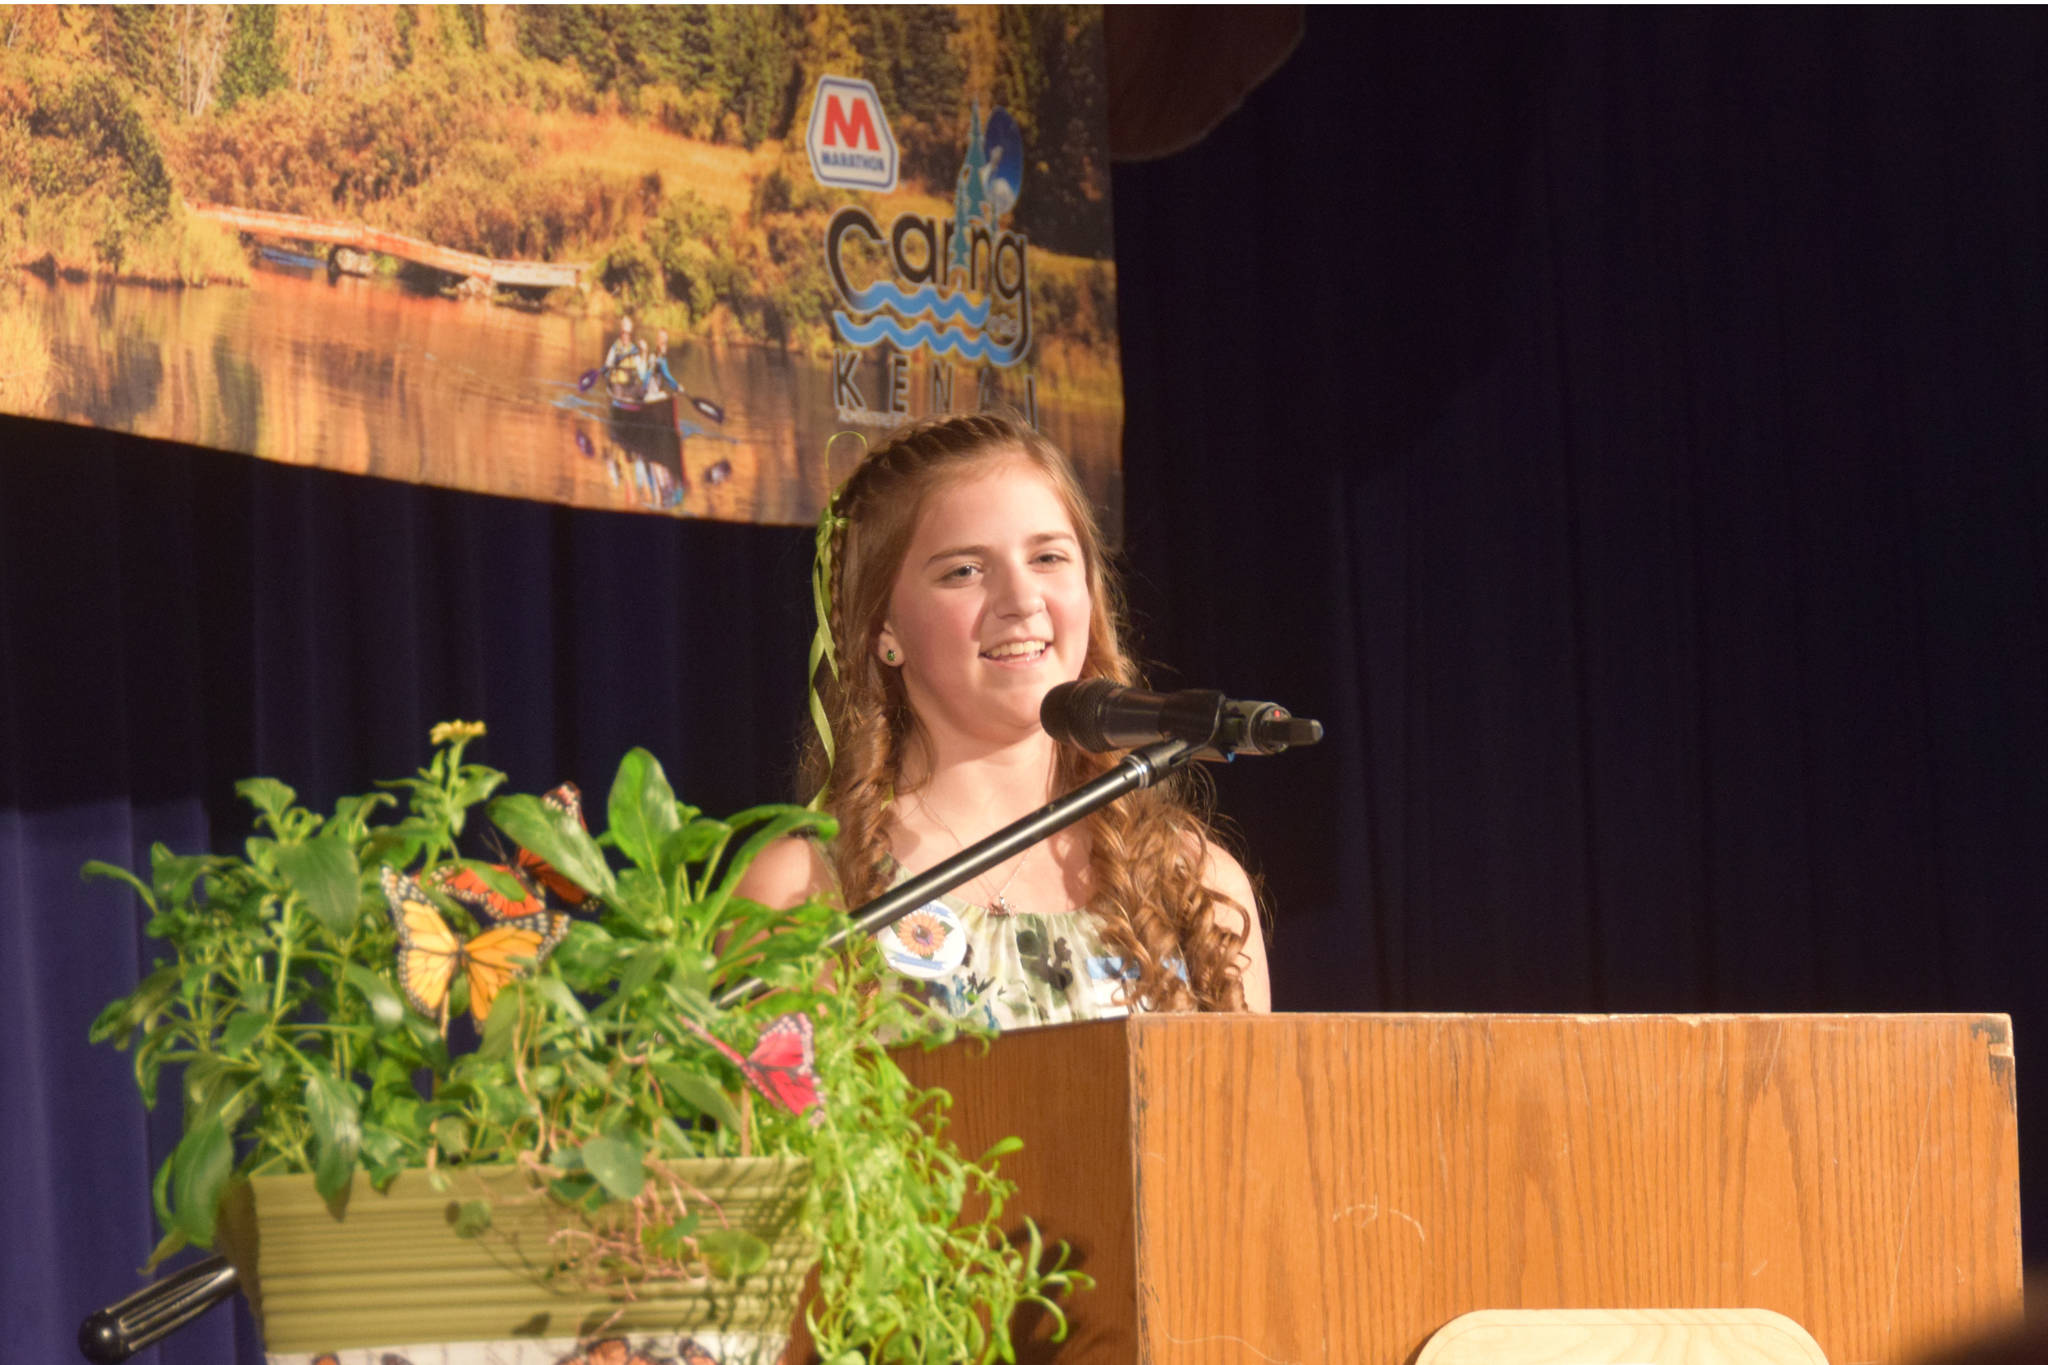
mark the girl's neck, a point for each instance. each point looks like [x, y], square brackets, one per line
[979, 790]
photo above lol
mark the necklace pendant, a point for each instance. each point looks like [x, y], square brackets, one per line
[999, 904]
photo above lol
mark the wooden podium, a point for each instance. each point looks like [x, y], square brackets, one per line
[1331, 1189]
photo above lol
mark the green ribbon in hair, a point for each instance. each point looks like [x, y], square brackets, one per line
[831, 521]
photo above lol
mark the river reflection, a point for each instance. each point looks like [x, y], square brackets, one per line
[366, 376]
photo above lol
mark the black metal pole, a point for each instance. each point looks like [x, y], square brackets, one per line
[155, 1311]
[1139, 768]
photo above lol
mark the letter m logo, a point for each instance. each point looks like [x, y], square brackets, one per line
[848, 136]
[849, 130]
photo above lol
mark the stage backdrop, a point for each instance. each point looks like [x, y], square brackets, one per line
[614, 256]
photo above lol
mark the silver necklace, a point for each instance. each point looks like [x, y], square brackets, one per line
[998, 904]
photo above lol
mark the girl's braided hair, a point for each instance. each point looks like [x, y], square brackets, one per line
[1147, 849]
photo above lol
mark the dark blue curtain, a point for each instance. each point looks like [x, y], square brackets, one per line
[1624, 430]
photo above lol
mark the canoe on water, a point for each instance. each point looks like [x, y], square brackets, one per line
[631, 393]
[298, 260]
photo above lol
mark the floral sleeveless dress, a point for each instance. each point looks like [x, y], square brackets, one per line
[1007, 971]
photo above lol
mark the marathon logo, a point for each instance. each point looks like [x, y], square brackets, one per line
[848, 137]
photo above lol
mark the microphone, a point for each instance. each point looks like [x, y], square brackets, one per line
[1098, 715]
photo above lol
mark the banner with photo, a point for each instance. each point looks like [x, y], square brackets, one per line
[646, 257]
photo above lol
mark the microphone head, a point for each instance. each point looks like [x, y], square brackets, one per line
[1072, 713]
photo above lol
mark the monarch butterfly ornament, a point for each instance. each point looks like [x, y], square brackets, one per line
[782, 1066]
[430, 952]
[534, 875]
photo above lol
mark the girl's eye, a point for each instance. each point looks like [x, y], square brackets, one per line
[959, 573]
[1053, 557]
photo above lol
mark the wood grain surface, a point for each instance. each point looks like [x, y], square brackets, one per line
[1334, 1188]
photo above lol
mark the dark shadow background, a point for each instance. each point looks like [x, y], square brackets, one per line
[1626, 431]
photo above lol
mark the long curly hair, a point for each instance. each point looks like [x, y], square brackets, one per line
[1146, 850]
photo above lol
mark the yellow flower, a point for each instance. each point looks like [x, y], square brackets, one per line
[448, 731]
[922, 933]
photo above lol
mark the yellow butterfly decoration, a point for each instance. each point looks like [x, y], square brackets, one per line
[430, 952]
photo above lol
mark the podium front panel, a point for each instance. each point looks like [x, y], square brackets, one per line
[1334, 1188]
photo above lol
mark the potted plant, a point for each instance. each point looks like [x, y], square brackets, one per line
[516, 1061]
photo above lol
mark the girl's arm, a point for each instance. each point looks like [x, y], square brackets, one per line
[1222, 875]
[786, 874]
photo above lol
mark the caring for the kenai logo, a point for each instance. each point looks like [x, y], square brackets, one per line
[955, 289]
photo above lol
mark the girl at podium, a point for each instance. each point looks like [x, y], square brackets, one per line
[961, 575]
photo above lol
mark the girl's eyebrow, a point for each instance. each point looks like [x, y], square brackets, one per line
[969, 551]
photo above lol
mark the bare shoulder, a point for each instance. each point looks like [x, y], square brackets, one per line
[788, 872]
[1222, 873]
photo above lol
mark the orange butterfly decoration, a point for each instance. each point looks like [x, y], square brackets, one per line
[531, 871]
[430, 952]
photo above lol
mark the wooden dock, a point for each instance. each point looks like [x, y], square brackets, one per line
[292, 227]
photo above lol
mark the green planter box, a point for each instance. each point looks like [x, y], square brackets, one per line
[391, 1275]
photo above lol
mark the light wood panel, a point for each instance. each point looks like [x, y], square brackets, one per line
[1622, 1336]
[1333, 1188]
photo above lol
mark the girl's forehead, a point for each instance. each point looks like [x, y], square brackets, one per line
[1001, 484]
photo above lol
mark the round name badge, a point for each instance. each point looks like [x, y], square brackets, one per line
[927, 943]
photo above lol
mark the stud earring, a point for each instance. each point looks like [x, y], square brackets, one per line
[889, 656]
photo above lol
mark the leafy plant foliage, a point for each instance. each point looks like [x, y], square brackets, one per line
[295, 1052]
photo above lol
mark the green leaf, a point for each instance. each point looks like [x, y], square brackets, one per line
[578, 1192]
[208, 1082]
[586, 956]
[95, 870]
[173, 1242]
[785, 821]
[639, 970]
[503, 1026]
[174, 875]
[149, 1065]
[334, 1107]
[640, 897]
[504, 1104]
[160, 1192]
[451, 1135]
[352, 814]
[552, 990]
[503, 882]
[476, 783]
[137, 1008]
[385, 1153]
[694, 842]
[732, 1252]
[671, 1241]
[267, 794]
[1002, 1148]
[323, 870]
[261, 851]
[387, 1011]
[199, 1172]
[617, 1164]
[471, 1218]
[555, 836]
[699, 1092]
[642, 810]
[241, 1031]
[393, 844]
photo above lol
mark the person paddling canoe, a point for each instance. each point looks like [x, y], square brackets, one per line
[627, 358]
[659, 377]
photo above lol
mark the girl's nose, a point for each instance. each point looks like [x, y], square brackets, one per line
[1018, 595]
